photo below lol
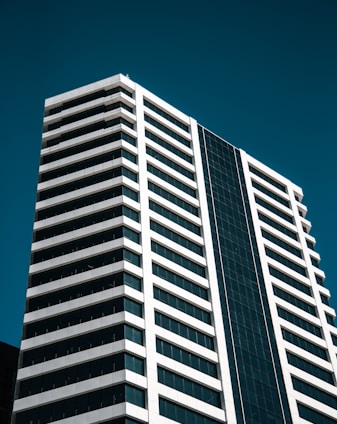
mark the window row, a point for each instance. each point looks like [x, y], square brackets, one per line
[84, 182]
[310, 368]
[313, 416]
[81, 372]
[281, 243]
[81, 343]
[178, 259]
[314, 392]
[87, 113]
[183, 330]
[268, 179]
[304, 344]
[92, 219]
[177, 238]
[167, 130]
[277, 226]
[182, 305]
[187, 358]
[271, 194]
[87, 163]
[179, 281]
[87, 129]
[285, 261]
[274, 210]
[88, 145]
[183, 222]
[81, 404]
[189, 387]
[290, 280]
[87, 98]
[81, 315]
[166, 161]
[294, 319]
[168, 146]
[83, 265]
[84, 289]
[295, 301]
[85, 242]
[173, 199]
[87, 200]
[175, 183]
[166, 115]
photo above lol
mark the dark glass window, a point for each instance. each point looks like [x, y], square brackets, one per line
[184, 330]
[167, 131]
[167, 178]
[330, 319]
[273, 209]
[310, 368]
[165, 115]
[319, 280]
[324, 299]
[168, 146]
[189, 387]
[83, 289]
[178, 259]
[290, 280]
[310, 244]
[163, 159]
[182, 414]
[295, 301]
[294, 319]
[174, 217]
[313, 416]
[268, 179]
[83, 147]
[304, 344]
[172, 198]
[182, 305]
[314, 392]
[271, 194]
[80, 343]
[285, 261]
[177, 238]
[314, 261]
[186, 358]
[278, 226]
[281, 243]
[179, 281]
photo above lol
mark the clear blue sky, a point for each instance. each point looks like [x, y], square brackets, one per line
[262, 74]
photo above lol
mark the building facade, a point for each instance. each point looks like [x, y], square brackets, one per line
[173, 277]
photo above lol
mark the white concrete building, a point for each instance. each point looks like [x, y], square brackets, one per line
[172, 279]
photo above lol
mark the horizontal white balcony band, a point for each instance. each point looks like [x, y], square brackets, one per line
[103, 132]
[83, 328]
[89, 275]
[103, 116]
[174, 208]
[193, 347]
[272, 202]
[183, 318]
[312, 380]
[177, 248]
[79, 388]
[82, 302]
[104, 100]
[87, 172]
[81, 357]
[183, 294]
[176, 227]
[85, 253]
[297, 311]
[82, 192]
[288, 271]
[106, 83]
[276, 218]
[302, 353]
[192, 403]
[86, 210]
[167, 123]
[85, 231]
[172, 172]
[304, 334]
[177, 269]
[188, 372]
[165, 152]
[284, 237]
[161, 134]
[314, 404]
[270, 187]
[88, 154]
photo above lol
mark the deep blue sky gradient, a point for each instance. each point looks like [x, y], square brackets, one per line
[261, 74]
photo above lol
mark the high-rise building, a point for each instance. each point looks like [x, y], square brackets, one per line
[173, 277]
[8, 368]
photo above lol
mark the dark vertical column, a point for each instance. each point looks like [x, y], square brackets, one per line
[258, 386]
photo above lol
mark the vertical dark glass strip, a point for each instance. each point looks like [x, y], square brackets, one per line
[258, 386]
